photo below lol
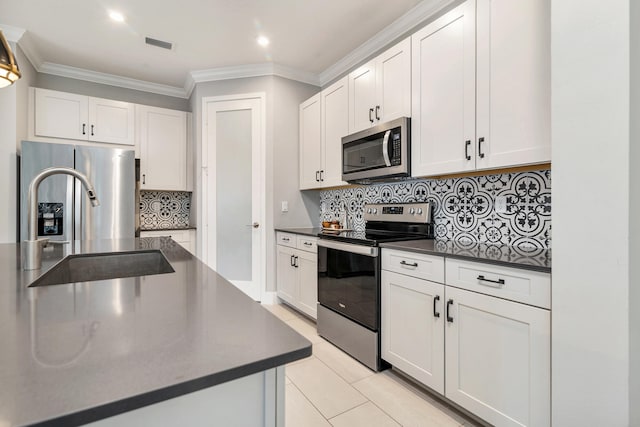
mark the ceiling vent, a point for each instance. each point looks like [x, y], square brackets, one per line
[158, 43]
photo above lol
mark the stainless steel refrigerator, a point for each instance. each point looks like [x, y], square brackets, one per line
[64, 210]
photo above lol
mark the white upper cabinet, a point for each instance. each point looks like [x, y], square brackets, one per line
[514, 82]
[380, 90]
[324, 120]
[71, 116]
[362, 97]
[111, 121]
[163, 148]
[61, 115]
[310, 143]
[335, 125]
[443, 119]
[481, 88]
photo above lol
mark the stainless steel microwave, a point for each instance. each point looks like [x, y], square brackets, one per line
[378, 153]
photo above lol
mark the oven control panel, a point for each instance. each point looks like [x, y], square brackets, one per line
[398, 212]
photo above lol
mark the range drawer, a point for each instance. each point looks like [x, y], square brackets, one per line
[309, 244]
[286, 239]
[529, 287]
[422, 266]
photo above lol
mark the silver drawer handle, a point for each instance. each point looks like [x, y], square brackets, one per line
[497, 283]
[285, 239]
[413, 264]
[308, 244]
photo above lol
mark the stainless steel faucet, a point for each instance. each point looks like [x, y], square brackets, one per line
[33, 246]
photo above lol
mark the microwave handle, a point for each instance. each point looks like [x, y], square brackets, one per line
[385, 148]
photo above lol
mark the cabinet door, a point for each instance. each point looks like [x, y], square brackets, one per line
[413, 327]
[514, 82]
[286, 274]
[61, 115]
[310, 143]
[163, 149]
[362, 97]
[335, 125]
[393, 85]
[498, 359]
[307, 273]
[443, 104]
[111, 121]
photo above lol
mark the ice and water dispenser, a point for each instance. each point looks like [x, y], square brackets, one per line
[50, 219]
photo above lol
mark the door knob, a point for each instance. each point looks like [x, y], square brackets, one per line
[254, 225]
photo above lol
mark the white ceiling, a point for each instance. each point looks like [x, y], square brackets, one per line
[306, 36]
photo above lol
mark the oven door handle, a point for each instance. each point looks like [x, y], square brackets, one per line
[385, 148]
[349, 247]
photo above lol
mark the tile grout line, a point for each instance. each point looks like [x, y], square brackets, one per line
[350, 409]
[309, 400]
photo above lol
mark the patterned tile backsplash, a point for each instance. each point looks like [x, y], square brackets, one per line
[464, 209]
[164, 209]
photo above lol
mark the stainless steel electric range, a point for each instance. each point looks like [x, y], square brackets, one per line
[349, 276]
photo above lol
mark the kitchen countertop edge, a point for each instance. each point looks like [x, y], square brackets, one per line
[406, 246]
[303, 231]
[156, 396]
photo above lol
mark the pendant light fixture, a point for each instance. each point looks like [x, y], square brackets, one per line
[9, 71]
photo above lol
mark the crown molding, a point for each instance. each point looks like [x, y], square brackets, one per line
[110, 79]
[407, 22]
[13, 34]
[253, 70]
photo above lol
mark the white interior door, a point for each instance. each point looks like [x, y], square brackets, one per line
[233, 190]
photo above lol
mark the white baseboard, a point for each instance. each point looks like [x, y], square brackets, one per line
[269, 298]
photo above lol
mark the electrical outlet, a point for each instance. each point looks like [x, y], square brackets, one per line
[501, 204]
[285, 206]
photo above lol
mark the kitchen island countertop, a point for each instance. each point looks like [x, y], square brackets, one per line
[76, 353]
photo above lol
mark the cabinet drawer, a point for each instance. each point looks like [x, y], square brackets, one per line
[286, 239]
[529, 287]
[309, 244]
[422, 266]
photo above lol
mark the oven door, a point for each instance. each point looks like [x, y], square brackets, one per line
[349, 281]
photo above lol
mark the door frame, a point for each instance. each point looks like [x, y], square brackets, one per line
[207, 216]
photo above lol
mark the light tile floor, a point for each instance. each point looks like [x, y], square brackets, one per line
[332, 389]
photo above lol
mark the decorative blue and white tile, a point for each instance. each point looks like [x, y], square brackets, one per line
[463, 208]
[164, 209]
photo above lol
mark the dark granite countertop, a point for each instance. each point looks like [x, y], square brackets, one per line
[76, 353]
[311, 231]
[508, 256]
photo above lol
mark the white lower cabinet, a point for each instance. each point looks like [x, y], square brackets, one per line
[413, 327]
[498, 358]
[296, 271]
[487, 353]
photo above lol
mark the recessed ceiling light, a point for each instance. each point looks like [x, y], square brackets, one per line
[263, 41]
[116, 16]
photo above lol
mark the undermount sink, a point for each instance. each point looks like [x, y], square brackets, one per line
[105, 266]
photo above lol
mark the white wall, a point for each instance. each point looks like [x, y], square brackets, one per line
[303, 206]
[590, 134]
[634, 223]
[8, 164]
